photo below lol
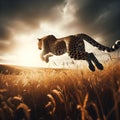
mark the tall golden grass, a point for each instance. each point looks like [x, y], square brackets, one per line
[61, 94]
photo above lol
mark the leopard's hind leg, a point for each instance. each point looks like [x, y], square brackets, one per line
[88, 59]
[84, 56]
[96, 62]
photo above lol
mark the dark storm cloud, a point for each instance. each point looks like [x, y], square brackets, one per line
[99, 18]
[4, 32]
[27, 12]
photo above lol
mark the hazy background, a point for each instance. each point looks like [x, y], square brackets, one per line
[23, 21]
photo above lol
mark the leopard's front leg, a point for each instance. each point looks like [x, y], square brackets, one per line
[46, 57]
[42, 55]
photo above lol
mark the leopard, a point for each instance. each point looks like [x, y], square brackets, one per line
[74, 46]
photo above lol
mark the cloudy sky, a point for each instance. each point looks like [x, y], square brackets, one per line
[23, 21]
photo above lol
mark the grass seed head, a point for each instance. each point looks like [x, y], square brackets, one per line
[52, 101]
[59, 95]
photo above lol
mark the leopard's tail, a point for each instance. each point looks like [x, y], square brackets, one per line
[98, 45]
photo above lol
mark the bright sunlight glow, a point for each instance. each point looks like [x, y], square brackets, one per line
[27, 53]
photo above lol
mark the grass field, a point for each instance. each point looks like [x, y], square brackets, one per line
[59, 94]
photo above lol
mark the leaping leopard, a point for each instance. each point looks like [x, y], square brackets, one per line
[74, 46]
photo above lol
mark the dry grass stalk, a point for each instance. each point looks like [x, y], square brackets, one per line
[84, 113]
[24, 109]
[52, 100]
[85, 101]
[3, 90]
[59, 95]
[96, 109]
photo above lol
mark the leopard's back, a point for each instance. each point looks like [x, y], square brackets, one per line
[58, 47]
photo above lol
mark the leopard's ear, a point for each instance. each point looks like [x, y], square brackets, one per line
[39, 39]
